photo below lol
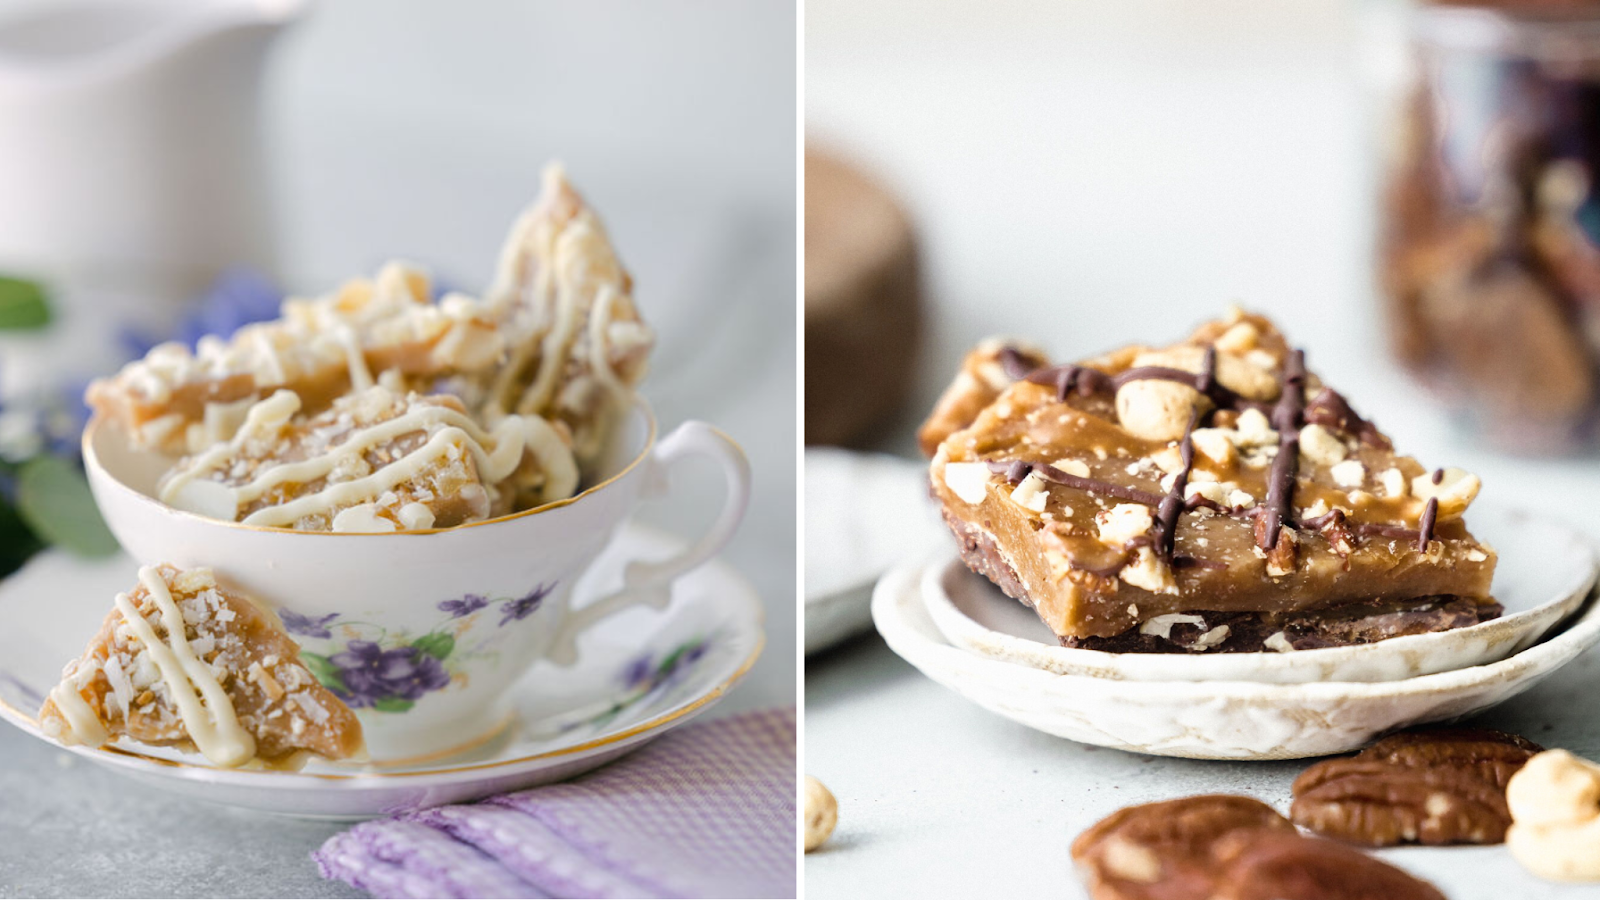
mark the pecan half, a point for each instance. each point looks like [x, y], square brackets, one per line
[1430, 786]
[1163, 851]
[1494, 755]
[1381, 804]
[1278, 866]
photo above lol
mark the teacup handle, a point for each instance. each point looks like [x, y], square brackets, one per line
[649, 582]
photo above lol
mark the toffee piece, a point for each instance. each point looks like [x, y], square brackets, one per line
[1212, 495]
[182, 661]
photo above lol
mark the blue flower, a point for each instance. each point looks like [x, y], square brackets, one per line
[525, 606]
[237, 298]
[466, 606]
[307, 626]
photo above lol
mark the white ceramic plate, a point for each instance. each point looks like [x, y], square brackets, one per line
[1209, 720]
[865, 514]
[1544, 573]
[640, 673]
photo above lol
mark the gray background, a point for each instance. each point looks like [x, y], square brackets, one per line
[418, 130]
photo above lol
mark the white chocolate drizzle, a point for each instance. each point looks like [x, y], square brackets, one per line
[509, 440]
[214, 727]
[83, 726]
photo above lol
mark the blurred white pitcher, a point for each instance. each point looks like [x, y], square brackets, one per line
[129, 143]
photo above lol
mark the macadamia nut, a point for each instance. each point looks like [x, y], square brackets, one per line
[1555, 817]
[822, 813]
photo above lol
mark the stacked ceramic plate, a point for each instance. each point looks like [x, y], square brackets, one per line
[962, 632]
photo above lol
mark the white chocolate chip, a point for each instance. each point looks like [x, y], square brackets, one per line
[822, 813]
[1123, 522]
[1455, 491]
[1031, 493]
[1393, 482]
[1214, 443]
[1149, 572]
[1157, 410]
[968, 480]
[1321, 446]
[1348, 474]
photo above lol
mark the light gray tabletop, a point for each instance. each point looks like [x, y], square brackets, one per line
[681, 132]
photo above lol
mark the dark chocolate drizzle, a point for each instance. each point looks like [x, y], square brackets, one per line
[1015, 470]
[1166, 533]
[1287, 415]
[1195, 562]
[1014, 363]
[1331, 410]
[1286, 418]
[1430, 513]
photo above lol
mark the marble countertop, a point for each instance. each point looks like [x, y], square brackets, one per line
[693, 171]
[1085, 175]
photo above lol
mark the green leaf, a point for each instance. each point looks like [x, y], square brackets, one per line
[54, 499]
[437, 645]
[327, 673]
[393, 704]
[22, 304]
[17, 541]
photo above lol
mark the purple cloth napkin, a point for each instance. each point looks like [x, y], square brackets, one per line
[706, 811]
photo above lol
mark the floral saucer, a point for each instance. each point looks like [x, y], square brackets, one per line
[639, 674]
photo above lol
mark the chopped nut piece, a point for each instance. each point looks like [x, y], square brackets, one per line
[1149, 572]
[1072, 467]
[1393, 482]
[1319, 445]
[1455, 491]
[1123, 522]
[1349, 474]
[1238, 339]
[1253, 429]
[969, 480]
[1157, 410]
[1031, 493]
[1214, 443]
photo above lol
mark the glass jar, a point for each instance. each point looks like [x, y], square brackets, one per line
[1490, 244]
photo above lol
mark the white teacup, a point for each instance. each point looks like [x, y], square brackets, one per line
[423, 632]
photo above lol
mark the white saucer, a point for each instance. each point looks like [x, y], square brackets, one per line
[865, 514]
[567, 721]
[1544, 574]
[1215, 719]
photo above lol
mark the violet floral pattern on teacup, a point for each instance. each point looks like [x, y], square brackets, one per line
[388, 671]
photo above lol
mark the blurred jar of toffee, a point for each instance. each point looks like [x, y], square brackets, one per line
[1490, 241]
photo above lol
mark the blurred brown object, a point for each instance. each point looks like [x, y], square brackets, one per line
[1490, 250]
[863, 303]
